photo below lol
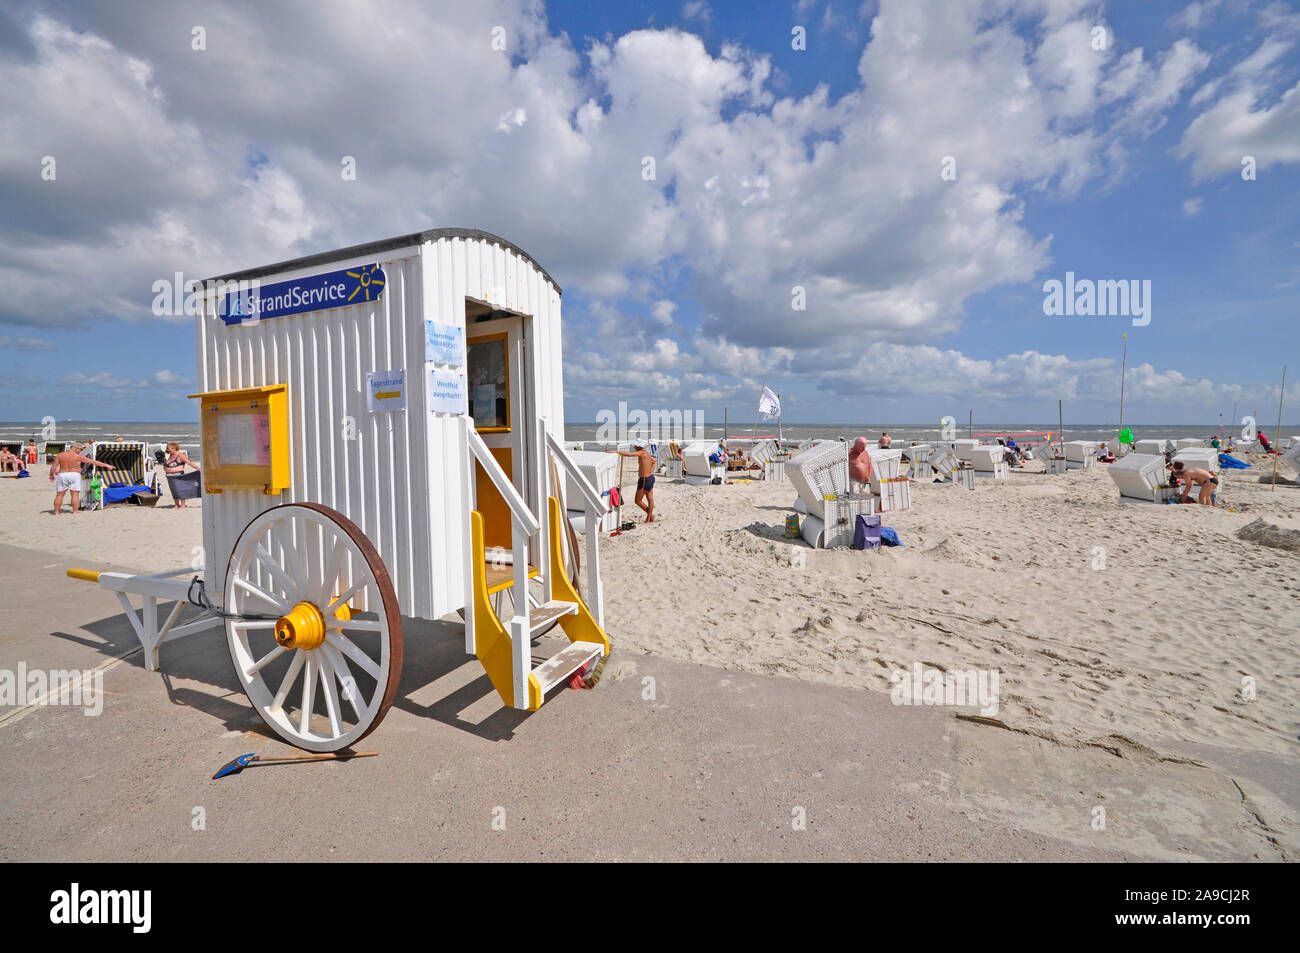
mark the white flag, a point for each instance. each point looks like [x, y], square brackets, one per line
[769, 405]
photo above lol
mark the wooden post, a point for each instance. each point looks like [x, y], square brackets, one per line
[1277, 435]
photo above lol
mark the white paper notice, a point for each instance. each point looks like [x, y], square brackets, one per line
[446, 391]
[237, 439]
[386, 390]
[444, 343]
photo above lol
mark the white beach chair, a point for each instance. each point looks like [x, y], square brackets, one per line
[885, 465]
[1160, 445]
[1137, 475]
[989, 459]
[818, 472]
[1207, 458]
[944, 461]
[1080, 454]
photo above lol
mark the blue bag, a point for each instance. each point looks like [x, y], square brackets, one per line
[866, 532]
[889, 537]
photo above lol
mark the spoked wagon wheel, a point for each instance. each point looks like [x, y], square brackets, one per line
[321, 657]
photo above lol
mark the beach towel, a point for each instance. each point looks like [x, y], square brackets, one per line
[1229, 462]
[615, 497]
[889, 537]
[792, 526]
[186, 486]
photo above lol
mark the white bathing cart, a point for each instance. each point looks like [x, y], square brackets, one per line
[382, 438]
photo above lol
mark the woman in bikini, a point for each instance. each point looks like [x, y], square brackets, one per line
[174, 466]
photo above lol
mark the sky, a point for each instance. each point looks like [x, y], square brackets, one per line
[862, 206]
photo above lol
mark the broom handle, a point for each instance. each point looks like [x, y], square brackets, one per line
[323, 757]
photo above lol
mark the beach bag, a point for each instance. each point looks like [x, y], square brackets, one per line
[716, 481]
[792, 526]
[889, 537]
[20, 474]
[866, 531]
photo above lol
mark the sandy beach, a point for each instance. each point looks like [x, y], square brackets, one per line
[1133, 656]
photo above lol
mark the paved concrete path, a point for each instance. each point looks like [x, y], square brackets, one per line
[709, 765]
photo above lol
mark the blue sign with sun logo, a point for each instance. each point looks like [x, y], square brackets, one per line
[337, 289]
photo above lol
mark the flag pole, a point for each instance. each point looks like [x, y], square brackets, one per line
[780, 438]
[1277, 436]
[1123, 373]
[753, 434]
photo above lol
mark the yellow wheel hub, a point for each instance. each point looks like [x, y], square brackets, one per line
[303, 627]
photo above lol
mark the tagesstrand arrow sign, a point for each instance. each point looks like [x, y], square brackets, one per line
[386, 391]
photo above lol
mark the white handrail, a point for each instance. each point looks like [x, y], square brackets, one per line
[588, 491]
[518, 508]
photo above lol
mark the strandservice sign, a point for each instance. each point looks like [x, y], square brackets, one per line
[335, 289]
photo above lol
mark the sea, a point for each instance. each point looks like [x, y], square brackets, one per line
[186, 433]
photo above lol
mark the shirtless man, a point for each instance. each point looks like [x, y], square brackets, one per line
[1206, 480]
[885, 441]
[645, 481]
[65, 471]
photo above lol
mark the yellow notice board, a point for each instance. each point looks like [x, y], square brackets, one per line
[245, 439]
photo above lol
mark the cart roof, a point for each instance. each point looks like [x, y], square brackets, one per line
[387, 244]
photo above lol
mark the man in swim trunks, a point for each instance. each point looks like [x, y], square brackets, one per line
[645, 481]
[1206, 480]
[65, 471]
[885, 441]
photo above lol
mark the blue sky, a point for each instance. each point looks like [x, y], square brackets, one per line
[776, 168]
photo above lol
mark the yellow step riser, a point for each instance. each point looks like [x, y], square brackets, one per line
[491, 638]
